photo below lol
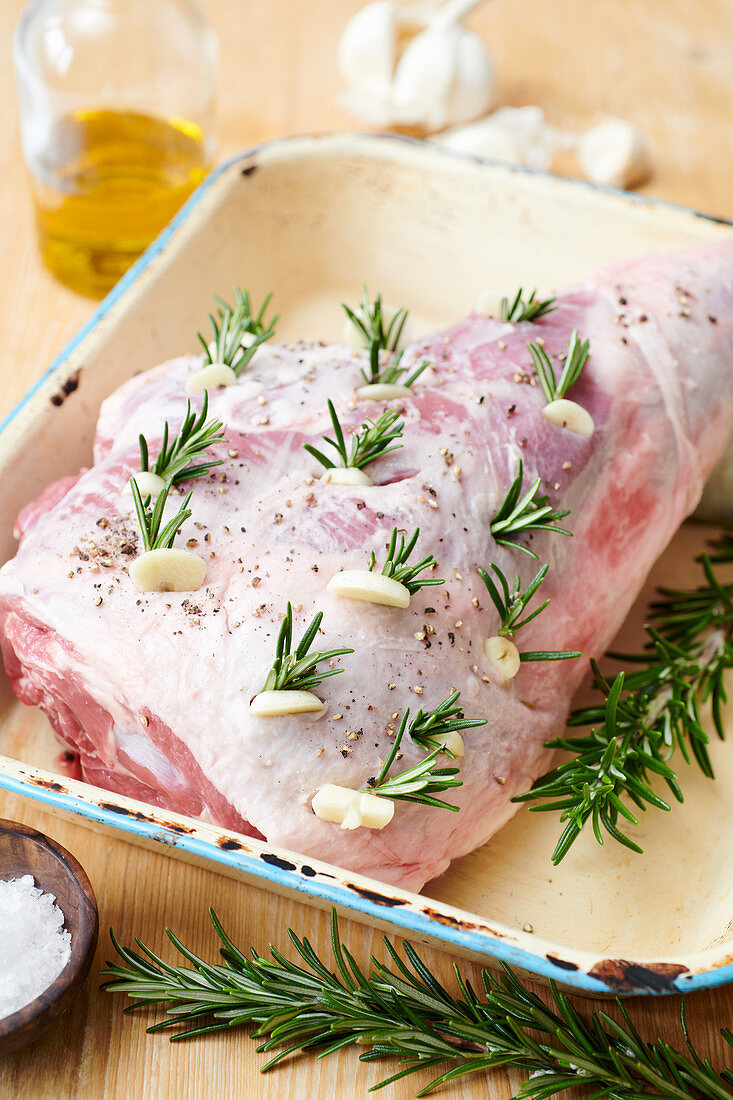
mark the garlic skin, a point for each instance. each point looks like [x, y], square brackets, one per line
[614, 153]
[415, 67]
[515, 135]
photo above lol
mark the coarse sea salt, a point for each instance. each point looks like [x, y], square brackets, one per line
[34, 948]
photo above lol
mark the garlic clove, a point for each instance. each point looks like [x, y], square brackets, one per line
[210, 378]
[367, 50]
[452, 741]
[569, 415]
[614, 153]
[489, 304]
[274, 704]
[472, 91]
[351, 809]
[346, 475]
[360, 584]
[167, 570]
[444, 77]
[382, 391]
[148, 484]
[503, 656]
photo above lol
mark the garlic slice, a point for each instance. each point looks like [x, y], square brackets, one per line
[452, 741]
[360, 584]
[351, 809]
[346, 475]
[382, 391]
[273, 704]
[569, 415]
[167, 570]
[503, 656]
[148, 484]
[211, 377]
[489, 304]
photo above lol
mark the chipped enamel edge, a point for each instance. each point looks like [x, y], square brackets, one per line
[415, 916]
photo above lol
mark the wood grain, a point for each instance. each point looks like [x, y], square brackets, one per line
[664, 64]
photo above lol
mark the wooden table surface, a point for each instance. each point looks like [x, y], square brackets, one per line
[665, 64]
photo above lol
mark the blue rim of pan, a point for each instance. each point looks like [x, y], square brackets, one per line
[620, 976]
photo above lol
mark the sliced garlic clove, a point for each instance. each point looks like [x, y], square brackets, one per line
[351, 809]
[148, 484]
[382, 391]
[211, 377]
[451, 741]
[614, 153]
[346, 475]
[167, 570]
[489, 304]
[248, 339]
[273, 704]
[503, 656]
[569, 415]
[360, 584]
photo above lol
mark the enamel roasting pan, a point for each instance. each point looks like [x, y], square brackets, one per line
[313, 218]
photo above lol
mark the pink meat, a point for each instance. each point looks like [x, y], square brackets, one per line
[153, 690]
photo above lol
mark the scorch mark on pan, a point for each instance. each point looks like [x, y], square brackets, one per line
[138, 815]
[372, 895]
[71, 384]
[628, 977]
[561, 963]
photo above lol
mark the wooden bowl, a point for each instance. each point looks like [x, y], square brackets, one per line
[24, 851]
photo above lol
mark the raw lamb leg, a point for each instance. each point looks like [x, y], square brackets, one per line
[153, 690]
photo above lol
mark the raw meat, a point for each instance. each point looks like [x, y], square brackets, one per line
[152, 691]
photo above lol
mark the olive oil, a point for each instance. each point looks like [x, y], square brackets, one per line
[107, 183]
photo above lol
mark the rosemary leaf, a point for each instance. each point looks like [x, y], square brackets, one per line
[237, 331]
[296, 670]
[176, 459]
[518, 309]
[373, 439]
[397, 568]
[150, 518]
[519, 515]
[401, 1012]
[575, 359]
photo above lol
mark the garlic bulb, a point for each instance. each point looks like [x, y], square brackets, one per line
[415, 66]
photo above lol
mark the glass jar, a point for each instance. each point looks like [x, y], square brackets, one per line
[117, 123]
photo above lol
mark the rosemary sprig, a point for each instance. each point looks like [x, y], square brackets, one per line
[518, 309]
[511, 603]
[396, 565]
[296, 670]
[646, 716]
[150, 518]
[233, 327]
[575, 359]
[418, 784]
[370, 441]
[391, 373]
[175, 462]
[400, 1011]
[370, 321]
[428, 726]
[518, 515]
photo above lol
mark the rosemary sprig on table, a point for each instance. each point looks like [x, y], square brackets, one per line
[575, 359]
[238, 332]
[372, 325]
[396, 565]
[421, 782]
[391, 373]
[518, 309]
[511, 603]
[295, 670]
[429, 726]
[176, 460]
[646, 715]
[150, 518]
[518, 515]
[372, 440]
[400, 1011]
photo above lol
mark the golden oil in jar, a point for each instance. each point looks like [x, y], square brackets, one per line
[106, 185]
